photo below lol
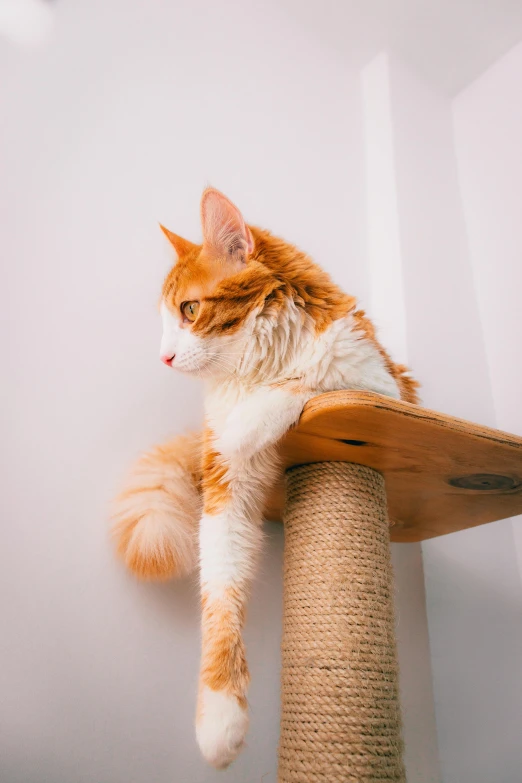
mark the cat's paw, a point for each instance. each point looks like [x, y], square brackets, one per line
[221, 727]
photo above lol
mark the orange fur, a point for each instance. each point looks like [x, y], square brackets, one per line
[407, 385]
[216, 488]
[275, 271]
[238, 270]
[223, 662]
[182, 246]
[155, 517]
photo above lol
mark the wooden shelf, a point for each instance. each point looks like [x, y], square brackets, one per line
[442, 474]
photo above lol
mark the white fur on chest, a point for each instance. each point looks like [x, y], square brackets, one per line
[289, 351]
[220, 401]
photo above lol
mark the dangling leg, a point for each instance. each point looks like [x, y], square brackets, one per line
[230, 540]
[239, 469]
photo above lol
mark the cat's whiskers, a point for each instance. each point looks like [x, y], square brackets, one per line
[258, 372]
[215, 362]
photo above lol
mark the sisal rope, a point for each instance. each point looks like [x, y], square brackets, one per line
[340, 720]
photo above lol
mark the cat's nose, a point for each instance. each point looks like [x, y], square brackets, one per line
[168, 359]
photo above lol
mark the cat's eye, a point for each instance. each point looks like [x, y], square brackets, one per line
[190, 310]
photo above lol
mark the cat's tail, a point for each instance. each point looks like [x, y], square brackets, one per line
[156, 515]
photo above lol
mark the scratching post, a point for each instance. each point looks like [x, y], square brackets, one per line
[340, 718]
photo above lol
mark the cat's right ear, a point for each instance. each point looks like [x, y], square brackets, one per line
[224, 229]
[180, 245]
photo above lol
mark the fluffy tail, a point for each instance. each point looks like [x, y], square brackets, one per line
[156, 516]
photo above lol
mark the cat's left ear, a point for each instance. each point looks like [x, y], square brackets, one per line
[182, 246]
[224, 229]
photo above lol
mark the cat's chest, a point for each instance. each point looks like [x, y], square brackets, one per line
[219, 403]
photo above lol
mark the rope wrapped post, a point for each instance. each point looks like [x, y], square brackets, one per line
[340, 720]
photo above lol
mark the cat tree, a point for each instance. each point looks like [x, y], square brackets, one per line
[361, 469]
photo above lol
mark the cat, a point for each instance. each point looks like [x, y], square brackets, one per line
[266, 329]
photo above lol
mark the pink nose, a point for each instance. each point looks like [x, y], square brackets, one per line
[167, 359]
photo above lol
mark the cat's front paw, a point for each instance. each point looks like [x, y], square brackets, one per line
[221, 727]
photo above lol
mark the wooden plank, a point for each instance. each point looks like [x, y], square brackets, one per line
[442, 474]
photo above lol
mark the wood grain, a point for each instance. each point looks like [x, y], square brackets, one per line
[442, 474]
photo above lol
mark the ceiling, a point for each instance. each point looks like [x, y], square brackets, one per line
[450, 42]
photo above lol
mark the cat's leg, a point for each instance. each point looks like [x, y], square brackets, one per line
[230, 539]
[261, 419]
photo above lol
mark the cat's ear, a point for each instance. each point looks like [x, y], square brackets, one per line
[224, 229]
[180, 245]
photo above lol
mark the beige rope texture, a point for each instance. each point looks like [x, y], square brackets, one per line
[340, 719]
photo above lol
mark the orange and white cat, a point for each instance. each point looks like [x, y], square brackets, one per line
[266, 329]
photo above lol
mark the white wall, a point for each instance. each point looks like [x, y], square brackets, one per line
[118, 123]
[386, 305]
[488, 133]
[487, 120]
[473, 589]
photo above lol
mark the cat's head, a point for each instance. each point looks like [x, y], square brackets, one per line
[210, 294]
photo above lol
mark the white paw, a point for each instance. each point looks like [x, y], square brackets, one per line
[221, 727]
